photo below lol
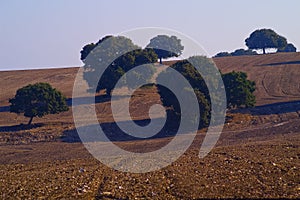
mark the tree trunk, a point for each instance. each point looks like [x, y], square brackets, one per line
[30, 120]
[264, 50]
[160, 61]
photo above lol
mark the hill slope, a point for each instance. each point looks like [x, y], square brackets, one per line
[256, 157]
[61, 79]
[276, 77]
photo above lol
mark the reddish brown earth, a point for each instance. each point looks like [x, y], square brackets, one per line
[257, 155]
[276, 75]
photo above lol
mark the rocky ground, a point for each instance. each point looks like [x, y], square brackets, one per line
[256, 161]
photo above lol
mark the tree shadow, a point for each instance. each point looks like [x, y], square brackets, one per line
[114, 133]
[70, 136]
[92, 99]
[4, 109]
[281, 63]
[274, 108]
[20, 127]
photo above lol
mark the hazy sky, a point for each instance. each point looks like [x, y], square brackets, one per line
[43, 34]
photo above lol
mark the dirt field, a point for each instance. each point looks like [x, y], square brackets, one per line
[257, 156]
[276, 75]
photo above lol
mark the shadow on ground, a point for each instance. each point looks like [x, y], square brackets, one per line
[92, 99]
[113, 132]
[274, 108]
[4, 109]
[282, 63]
[20, 127]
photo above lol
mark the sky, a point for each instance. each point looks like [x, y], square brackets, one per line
[46, 34]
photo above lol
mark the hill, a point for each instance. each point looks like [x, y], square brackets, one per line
[276, 77]
[257, 155]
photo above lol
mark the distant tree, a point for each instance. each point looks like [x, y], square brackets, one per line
[129, 56]
[166, 46]
[243, 52]
[38, 100]
[238, 52]
[86, 50]
[222, 54]
[288, 48]
[264, 39]
[89, 47]
[239, 90]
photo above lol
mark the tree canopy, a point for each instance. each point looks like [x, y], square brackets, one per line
[264, 39]
[124, 56]
[288, 48]
[238, 52]
[239, 90]
[38, 100]
[166, 46]
[243, 52]
[185, 68]
[89, 47]
[222, 54]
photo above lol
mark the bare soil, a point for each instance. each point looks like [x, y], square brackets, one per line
[257, 155]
